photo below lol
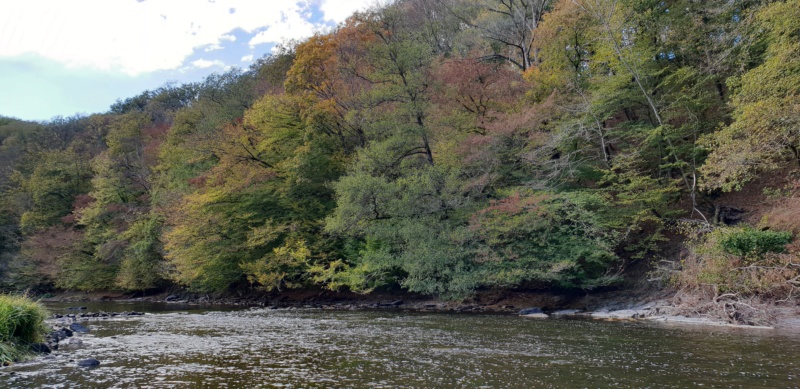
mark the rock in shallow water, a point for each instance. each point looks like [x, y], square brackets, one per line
[536, 316]
[567, 312]
[78, 328]
[530, 311]
[91, 362]
[41, 348]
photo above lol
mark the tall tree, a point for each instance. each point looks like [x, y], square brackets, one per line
[766, 100]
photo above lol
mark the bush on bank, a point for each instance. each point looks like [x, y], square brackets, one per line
[21, 325]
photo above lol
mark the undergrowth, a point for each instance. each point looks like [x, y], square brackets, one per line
[736, 272]
[21, 325]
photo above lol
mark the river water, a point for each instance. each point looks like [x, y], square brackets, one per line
[299, 348]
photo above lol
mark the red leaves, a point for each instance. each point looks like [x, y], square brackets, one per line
[512, 205]
[483, 89]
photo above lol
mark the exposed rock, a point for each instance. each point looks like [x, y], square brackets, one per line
[536, 316]
[41, 348]
[530, 311]
[620, 314]
[567, 312]
[727, 215]
[91, 362]
[77, 327]
[702, 321]
[74, 341]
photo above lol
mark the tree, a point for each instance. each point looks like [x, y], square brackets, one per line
[256, 214]
[52, 187]
[510, 26]
[765, 131]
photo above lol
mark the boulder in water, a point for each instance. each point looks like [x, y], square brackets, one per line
[76, 327]
[41, 348]
[91, 362]
[531, 311]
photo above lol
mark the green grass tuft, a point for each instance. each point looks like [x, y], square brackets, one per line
[21, 325]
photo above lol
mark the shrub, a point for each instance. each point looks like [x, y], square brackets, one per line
[740, 261]
[21, 325]
[546, 238]
[748, 242]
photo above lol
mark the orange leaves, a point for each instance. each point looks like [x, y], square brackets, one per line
[325, 65]
[313, 66]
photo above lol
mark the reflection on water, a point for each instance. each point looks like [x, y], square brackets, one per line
[316, 348]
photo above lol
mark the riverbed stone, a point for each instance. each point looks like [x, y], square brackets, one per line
[77, 327]
[536, 316]
[567, 312]
[91, 362]
[531, 311]
[41, 348]
[620, 314]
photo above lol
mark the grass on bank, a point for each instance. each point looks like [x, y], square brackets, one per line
[21, 325]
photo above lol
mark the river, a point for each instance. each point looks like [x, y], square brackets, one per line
[298, 348]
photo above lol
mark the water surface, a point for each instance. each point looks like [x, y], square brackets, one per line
[300, 348]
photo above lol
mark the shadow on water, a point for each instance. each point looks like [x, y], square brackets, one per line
[195, 346]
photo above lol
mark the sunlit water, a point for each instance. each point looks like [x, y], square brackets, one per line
[316, 348]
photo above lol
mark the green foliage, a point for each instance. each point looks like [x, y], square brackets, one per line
[747, 242]
[256, 214]
[438, 146]
[741, 261]
[546, 239]
[764, 133]
[282, 268]
[21, 325]
[81, 270]
[368, 267]
[52, 187]
[142, 266]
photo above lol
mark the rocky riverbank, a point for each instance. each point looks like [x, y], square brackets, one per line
[655, 306]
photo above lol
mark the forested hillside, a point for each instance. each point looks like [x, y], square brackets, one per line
[440, 146]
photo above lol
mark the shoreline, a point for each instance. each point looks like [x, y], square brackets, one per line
[532, 305]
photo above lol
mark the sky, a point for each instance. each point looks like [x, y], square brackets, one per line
[67, 57]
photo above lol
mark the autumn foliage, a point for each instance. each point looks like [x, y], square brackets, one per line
[442, 147]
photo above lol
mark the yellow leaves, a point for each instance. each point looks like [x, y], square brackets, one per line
[782, 19]
[545, 83]
[124, 131]
[265, 235]
[766, 106]
[282, 267]
[314, 65]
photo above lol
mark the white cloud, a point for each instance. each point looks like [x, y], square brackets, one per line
[204, 63]
[338, 11]
[247, 58]
[213, 47]
[291, 25]
[134, 37]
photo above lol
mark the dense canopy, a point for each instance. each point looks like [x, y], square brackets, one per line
[440, 146]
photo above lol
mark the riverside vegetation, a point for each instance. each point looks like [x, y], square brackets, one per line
[443, 147]
[21, 327]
